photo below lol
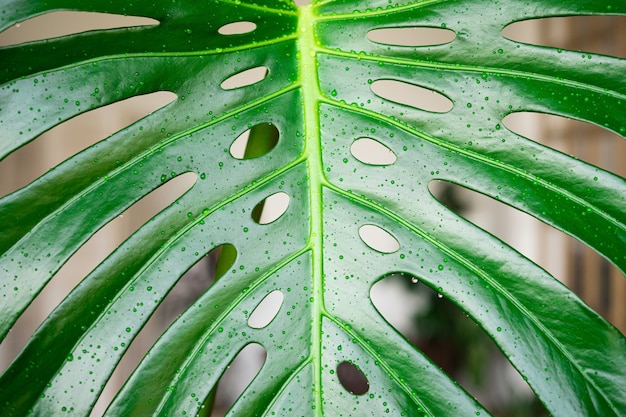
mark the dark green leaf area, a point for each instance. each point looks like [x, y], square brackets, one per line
[125, 288]
[184, 27]
[68, 92]
[204, 152]
[196, 103]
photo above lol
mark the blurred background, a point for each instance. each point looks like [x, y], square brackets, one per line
[432, 323]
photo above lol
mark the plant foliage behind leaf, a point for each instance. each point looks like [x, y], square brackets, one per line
[317, 94]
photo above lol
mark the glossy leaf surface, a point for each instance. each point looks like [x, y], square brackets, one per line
[317, 93]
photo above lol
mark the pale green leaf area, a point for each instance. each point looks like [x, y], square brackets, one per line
[316, 93]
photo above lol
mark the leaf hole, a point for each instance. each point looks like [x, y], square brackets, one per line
[239, 374]
[412, 95]
[267, 310]
[372, 152]
[255, 142]
[378, 239]
[411, 36]
[586, 141]
[72, 136]
[62, 23]
[245, 78]
[596, 34]
[237, 28]
[271, 208]
[352, 379]
[453, 341]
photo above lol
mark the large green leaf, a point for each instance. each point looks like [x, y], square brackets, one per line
[318, 95]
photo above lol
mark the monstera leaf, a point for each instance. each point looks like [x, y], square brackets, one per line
[314, 102]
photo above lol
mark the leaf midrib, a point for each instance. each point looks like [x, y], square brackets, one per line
[309, 79]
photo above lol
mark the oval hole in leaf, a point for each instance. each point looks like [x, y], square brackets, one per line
[449, 338]
[412, 95]
[586, 141]
[267, 310]
[378, 239]
[372, 152]
[352, 379]
[237, 28]
[239, 374]
[271, 208]
[577, 33]
[62, 23]
[100, 245]
[74, 135]
[411, 36]
[245, 78]
[255, 142]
